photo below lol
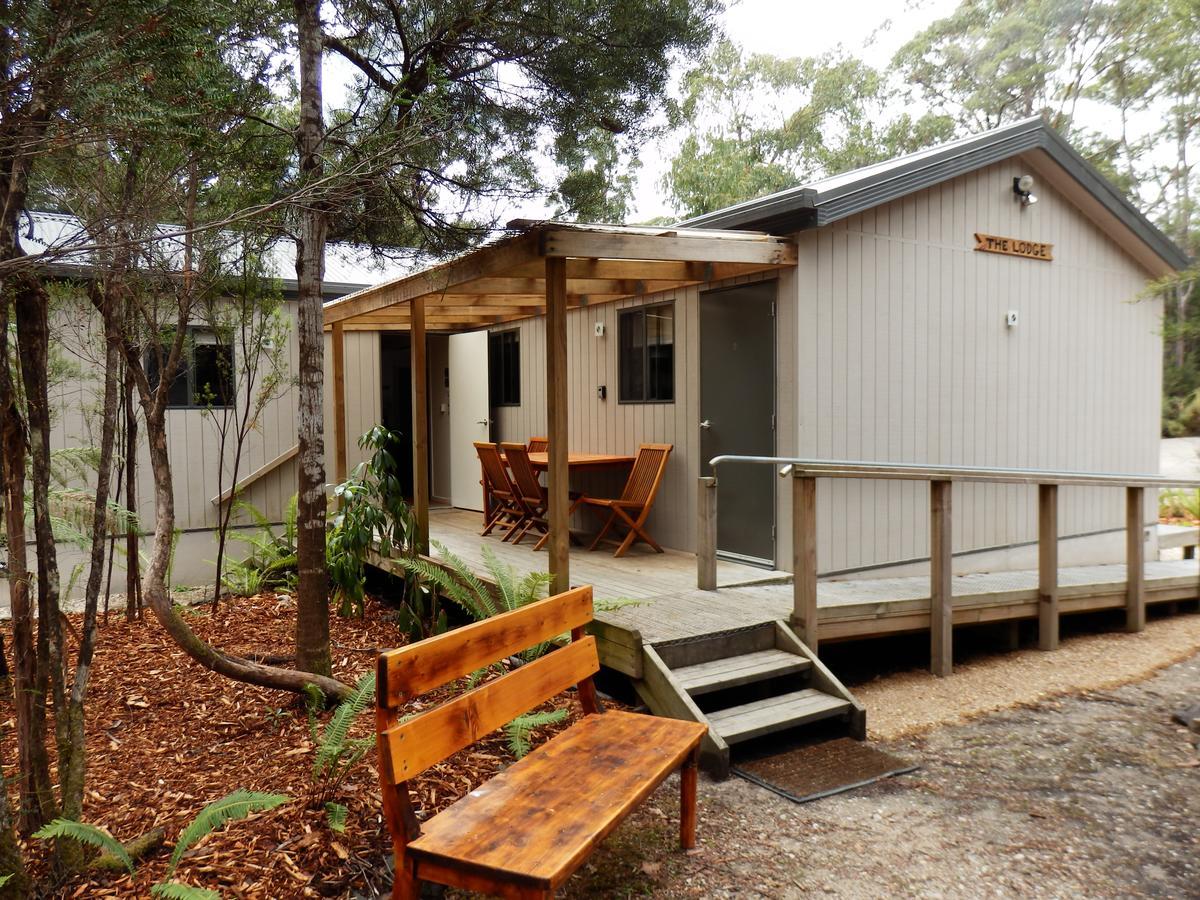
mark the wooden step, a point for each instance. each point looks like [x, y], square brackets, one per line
[741, 723]
[732, 671]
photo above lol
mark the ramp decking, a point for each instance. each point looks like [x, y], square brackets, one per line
[671, 609]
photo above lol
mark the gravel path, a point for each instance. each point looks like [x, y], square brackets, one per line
[1095, 794]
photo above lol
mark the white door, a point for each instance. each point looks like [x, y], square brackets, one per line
[468, 415]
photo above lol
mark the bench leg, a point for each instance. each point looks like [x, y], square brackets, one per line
[687, 800]
[406, 886]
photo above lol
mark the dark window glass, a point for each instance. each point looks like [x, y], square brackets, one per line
[178, 393]
[204, 377]
[646, 347]
[212, 375]
[504, 368]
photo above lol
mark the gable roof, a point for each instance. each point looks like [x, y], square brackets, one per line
[829, 199]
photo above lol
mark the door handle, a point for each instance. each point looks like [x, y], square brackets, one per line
[706, 424]
[483, 422]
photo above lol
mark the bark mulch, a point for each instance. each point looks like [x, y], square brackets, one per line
[166, 737]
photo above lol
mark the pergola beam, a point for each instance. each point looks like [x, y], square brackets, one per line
[616, 245]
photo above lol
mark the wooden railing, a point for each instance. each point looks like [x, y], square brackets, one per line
[805, 472]
[261, 472]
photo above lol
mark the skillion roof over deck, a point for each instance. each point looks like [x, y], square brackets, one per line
[1055, 161]
[507, 280]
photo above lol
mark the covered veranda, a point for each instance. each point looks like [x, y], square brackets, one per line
[543, 269]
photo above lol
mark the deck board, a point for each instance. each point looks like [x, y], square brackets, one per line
[670, 608]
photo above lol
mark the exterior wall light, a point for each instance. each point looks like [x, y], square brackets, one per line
[1023, 189]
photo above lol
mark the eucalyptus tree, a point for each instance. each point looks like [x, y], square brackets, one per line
[752, 124]
[455, 107]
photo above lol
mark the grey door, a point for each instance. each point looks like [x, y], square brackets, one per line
[737, 414]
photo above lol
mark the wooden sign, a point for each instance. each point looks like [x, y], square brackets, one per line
[991, 243]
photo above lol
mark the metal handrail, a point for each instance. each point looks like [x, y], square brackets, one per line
[831, 468]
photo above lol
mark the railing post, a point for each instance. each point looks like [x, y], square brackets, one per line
[1047, 566]
[706, 535]
[804, 559]
[941, 583]
[1135, 559]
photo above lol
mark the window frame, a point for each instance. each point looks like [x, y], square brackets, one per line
[187, 370]
[642, 312]
[497, 339]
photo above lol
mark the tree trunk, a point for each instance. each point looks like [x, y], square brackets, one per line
[312, 596]
[36, 798]
[30, 303]
[133, 581]
[154, 589]
[11, 861]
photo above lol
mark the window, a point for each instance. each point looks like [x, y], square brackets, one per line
[205, 375]
[504, 368]
[647, 354]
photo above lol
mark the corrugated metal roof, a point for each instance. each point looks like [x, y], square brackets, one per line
[348, 267]
[829, 199]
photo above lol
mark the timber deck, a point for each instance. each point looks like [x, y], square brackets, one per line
[671, 610]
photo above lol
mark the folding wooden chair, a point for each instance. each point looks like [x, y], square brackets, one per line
[503, 507]
[528, 491]
[632, 508]
[538, 445]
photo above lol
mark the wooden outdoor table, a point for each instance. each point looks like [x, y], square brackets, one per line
[541, 461]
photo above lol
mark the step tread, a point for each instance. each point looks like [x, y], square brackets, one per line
[736, 670]
[740, 723]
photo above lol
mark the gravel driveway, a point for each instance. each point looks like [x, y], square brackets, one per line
[1093, 795]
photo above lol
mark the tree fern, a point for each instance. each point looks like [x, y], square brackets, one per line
[175, 890]
[520, 729]
[86, 834]
[231, 807]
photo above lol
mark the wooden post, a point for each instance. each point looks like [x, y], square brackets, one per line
[941, 581]
[804, 559]
[706, 535]
[420, 422]
[339, 402]
[557, 486]
[1047, 566]
[1135, 559]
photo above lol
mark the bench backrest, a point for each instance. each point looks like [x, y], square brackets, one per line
[647, 474]
[410, 747]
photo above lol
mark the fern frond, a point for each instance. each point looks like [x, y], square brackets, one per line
[449, 585]
[231, 807]
[533, 586]
[84, 833]
[520, 728]
[504, 578]
[333, 741]
[175, 890]
[336, 814]
[5, 879]
[486, 602]
[612, 603]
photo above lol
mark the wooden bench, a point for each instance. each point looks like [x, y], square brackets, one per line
[524, 832]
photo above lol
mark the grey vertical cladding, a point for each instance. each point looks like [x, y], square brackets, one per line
[192, 435]
[904, 355]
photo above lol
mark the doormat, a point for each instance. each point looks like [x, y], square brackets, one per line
[812, 771]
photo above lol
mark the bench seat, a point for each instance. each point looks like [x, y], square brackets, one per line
[533, 824]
